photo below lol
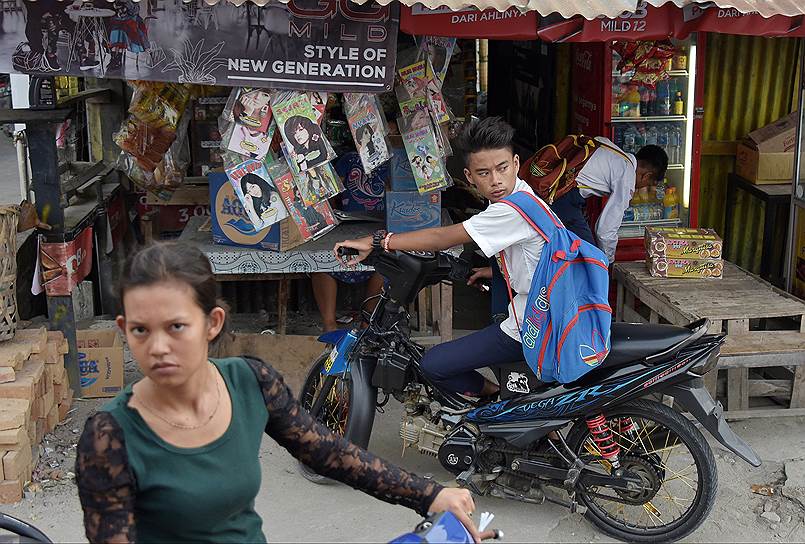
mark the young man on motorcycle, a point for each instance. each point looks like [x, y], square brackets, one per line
[491, 166]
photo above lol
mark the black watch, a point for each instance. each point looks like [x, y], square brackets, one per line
[377, 239]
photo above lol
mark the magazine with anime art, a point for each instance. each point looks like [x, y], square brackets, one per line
[318, 99]
[368, 127]
[316, 184]
[258, 194]
[313, 221]
[439, 110]
[296, 119]
[423, 154]
[249, 107]
[438, 50]
[413, 78]
[253, 144]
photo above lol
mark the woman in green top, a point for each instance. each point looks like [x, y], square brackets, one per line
[175, 456]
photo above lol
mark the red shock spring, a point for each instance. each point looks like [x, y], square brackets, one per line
[625, 425]
[604, 439]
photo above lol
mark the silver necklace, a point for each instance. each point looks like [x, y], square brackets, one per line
[187, 427]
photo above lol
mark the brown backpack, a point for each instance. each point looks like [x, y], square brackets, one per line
[552, 170]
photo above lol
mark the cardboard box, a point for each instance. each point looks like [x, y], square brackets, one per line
[100, 362]
[682, 243]
[686, 268]
[231, 227]
[401, 176]
[766, 155]
[409, 210]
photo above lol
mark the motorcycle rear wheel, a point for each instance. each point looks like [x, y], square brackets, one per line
[646, 450]
[335, 411]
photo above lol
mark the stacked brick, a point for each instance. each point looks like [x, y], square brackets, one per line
[35, 396]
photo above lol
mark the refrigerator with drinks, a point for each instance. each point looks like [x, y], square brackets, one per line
[608, 102]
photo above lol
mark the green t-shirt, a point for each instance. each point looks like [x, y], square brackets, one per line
[199, 494]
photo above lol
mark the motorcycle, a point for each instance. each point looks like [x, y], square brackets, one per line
[602, 446]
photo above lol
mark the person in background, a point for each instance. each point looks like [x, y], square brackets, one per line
[175, 457]
[365, 194]
[612, 173]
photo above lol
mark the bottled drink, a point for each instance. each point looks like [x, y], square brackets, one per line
[618, 138]
[675, 146]
[680, 61]
[652, 135]
[679, 104]
[660, 190]
[629, 140]
[632, 99]
[640, 138]
[652, 103]
[671, 204]
[663, 99]
[662, 138]
[645, 98]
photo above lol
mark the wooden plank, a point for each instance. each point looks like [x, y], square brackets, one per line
[619, 302]
[436, 309]
[422, 310]
[737, 389]
[446, 313]
[769, 388]
[763, 342]
[653, 317]
[283, 290]
[184, 195]
[631, 316]
[772, 412]
[798, 388]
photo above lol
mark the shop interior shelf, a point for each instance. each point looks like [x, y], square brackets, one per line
[676, 167]
[636, 229]
[653, 119]
[672, 73]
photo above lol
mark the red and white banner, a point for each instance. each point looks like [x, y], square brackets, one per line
[66, 264]
[492, 24]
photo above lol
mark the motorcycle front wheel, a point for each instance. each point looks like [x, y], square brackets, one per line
[334, 412]
[670, 457]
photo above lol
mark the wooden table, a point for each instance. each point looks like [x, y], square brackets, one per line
[230, 263]
[745, 307]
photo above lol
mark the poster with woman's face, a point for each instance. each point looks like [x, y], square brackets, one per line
[260, 198]
[251, 109]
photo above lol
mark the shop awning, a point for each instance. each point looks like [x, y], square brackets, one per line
[590, 9]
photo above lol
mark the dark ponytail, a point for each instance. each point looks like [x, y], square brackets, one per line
[174, 261]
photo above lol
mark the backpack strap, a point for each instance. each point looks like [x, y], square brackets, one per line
[505, 271]
[535, 212]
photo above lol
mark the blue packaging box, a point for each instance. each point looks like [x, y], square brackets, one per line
[402, 178]
[409, 210]
[229, 223]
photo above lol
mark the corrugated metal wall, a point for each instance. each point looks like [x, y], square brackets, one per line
[749, 82]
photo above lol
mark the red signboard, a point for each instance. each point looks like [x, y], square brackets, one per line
[511, 24]
[657, 23]
[588, 92]
[66, 264]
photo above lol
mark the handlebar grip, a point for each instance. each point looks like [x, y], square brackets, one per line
[347, 252]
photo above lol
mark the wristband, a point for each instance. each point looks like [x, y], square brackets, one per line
[377, 239]
[386, 241]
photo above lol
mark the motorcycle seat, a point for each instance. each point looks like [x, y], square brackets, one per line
[631, 342]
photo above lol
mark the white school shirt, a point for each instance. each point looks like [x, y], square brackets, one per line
[611, 174]
[501, 228]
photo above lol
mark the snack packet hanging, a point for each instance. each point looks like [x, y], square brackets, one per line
[296, 119]
[258, 194]
[368, 127]
[313, 221]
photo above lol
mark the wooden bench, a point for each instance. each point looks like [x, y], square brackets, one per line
[764, 353]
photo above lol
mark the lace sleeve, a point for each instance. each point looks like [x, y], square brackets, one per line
[106, 485]
[332, 456]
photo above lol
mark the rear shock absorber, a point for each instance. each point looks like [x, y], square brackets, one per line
[604, 439]
[626, 425]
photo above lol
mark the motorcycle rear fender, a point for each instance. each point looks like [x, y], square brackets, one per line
[693, 396]
[364, 402]
[523, 434]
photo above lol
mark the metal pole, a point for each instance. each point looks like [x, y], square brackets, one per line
[22, 164]
[795, 182]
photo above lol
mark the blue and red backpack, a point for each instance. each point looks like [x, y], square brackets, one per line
[565, 329]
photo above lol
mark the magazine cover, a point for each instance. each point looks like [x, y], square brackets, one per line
[439, 51]
[414, 78]
[423, 154]
[368, 129]
[312, 220]
[414, 110]
[316, 184]
[436, 102]
[260, 198]
[303, 137]
[248, 142]
[250, 108]
[318, 100]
